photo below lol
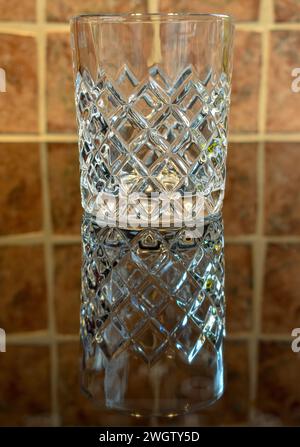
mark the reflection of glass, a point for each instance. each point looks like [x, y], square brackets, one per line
[152, 317]
[152, 98]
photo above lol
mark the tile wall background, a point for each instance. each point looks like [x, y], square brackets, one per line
[40, 216]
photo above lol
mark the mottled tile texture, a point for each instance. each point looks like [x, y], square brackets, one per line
[64, 188]
[283, 103]
[282, 200]
[15, 11]
[23, 304]
[239, 287]
[20, 198]
[63, 10]
[287, 10]
[19, 105]
[25, 386]
[240, 202]
[245, 82]
[67, 288]
[281, 304]
[242, 10]
[60, 88]
[278, 398]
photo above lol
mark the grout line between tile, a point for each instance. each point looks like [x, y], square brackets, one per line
[25, 338]
[45, 338]
[152, 6]
[37, 238]
[31, 28]
[258, 258]
[41, 138]
[19, 28]
[39, 338]
[49, 262]
[266, 13]
[263, 94]
[240, 239]
[282, 239]
[73, 138]
[41, 42]
[22, 239]
[66, 239]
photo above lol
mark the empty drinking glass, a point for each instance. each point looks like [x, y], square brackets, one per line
[152, 95]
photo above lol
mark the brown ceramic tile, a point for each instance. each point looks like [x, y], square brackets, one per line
[287, 10]
[240, 194]
[282, 200]
[245, 82]
[23, 290]
[282, 101]
[19, 112]
[63, 10]
[233, 406]
[238, 287]
[67, 288]
[17, 11]
[76, 408]
[60, 89]
[20, 184]
[64, 188]
[25, 386]
[278, 397]
[281, 305]
[242, 10]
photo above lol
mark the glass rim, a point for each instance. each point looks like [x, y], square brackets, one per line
[150, 16]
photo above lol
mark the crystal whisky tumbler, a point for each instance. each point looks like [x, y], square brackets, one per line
[152, 95]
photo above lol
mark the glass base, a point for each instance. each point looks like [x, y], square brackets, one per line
[168, 388]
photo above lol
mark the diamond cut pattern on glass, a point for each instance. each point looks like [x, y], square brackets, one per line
[170, 126]
[190, 340]
[111, 340]
[169, 174]
[189, 103]
[148, 105]
[107, 103]
[135, 125]
[127, 127]
[147, 154]
[171, 317]
[152, 297]
[125, 82]
[130, 317]
[149, 292]
[150, 342]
